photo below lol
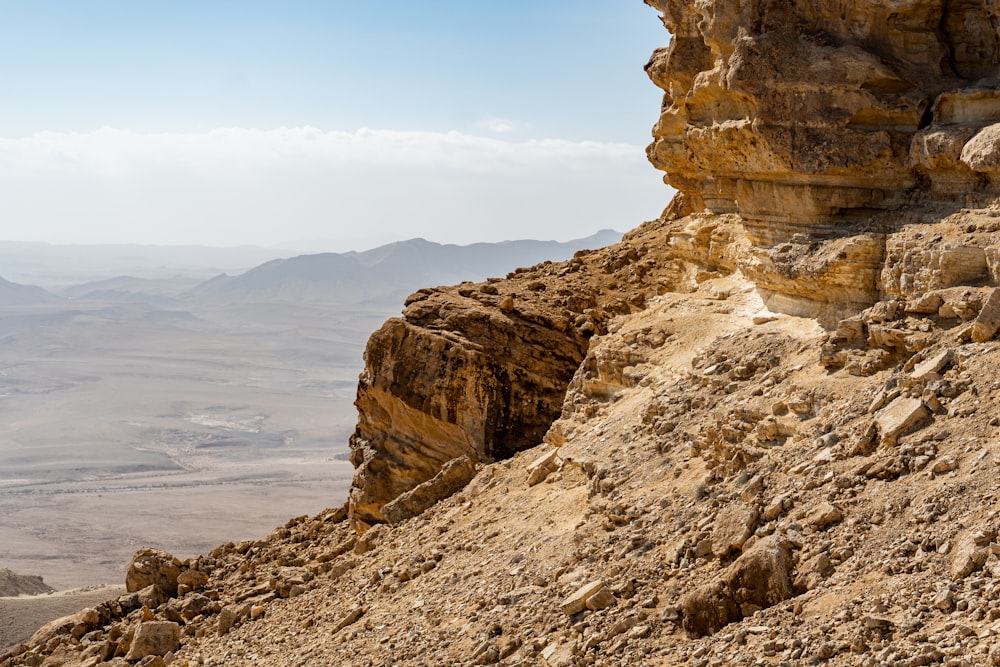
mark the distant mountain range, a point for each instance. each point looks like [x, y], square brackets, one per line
[14, 294]
[389, 272]
[386, 274]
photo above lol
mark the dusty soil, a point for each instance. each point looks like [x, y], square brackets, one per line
[21, 616]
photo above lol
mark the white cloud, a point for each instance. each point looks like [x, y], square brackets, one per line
[494, 124]
[245, 186]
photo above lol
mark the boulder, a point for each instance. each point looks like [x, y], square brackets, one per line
[734, 525]
[900, 417]
[153, 567]
[155, 638]
[758, 579]
[988, 321]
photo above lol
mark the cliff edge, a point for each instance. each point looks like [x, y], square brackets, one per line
[761, 430]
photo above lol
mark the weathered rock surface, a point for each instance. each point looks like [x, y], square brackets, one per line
[480, 370]
[451, 478]
[809, 119]
[727, 482]
[758, 579]
[154, 638]
[153, 567]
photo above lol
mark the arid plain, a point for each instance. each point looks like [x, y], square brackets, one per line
[128, 425]
[163, 408]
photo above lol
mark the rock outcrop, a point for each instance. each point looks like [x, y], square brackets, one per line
[480, 370]
[819, 124]
[18, 584]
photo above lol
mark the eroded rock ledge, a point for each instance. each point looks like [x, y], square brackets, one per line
[826, 126]
[480, 370]
[811, 145]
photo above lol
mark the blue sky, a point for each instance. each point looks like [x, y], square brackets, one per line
[457, 113]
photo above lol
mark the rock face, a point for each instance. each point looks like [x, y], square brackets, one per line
[806, 117]
[809, 120]
[480, 370]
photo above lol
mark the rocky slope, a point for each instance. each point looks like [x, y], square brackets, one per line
[12, 584]
[762, 430]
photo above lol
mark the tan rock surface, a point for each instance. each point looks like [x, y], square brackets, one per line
[693, 386]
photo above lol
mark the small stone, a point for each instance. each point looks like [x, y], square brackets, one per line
[353, 614]
[970, 552]
[227, 619]
[929, 368]
[193, 579]
[601, 599]
[943, 600]
[540, 468]
[781, 503]
[988, 322]
[577, 602]
[734, 524]
[753, 489]
[900, 417]
[944, 464]
[823, 515]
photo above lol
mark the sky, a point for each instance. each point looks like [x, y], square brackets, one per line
[338, 124]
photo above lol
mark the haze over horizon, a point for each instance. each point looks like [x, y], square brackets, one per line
[346, 124]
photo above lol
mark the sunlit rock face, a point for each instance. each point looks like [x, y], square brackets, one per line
[808, 117]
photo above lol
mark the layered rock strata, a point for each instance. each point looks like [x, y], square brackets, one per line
[480, 370]
[812, 120]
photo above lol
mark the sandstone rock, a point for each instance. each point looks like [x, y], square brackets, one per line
[540, 468]
[154, 638]
[778, 505]
[370, 539]
[944, 464]
[929, 368]
[970, 552]
[734, 524]
[577, 602]
[601, 599]
[757, 579]
[803, 137]
[75, 625]
[190, 580]
[812, 572]
[458, 376]
[227, 619]
[506, 380]
[152, 661]
[284, 580]
[452, 478]
[752, 490]
[151, 596]
[153, 567]
[899, 417]
[822, 515]
[988, 322]
[352, 615]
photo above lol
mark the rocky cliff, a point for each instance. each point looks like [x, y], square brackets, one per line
[824, 126]
[762, 430]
